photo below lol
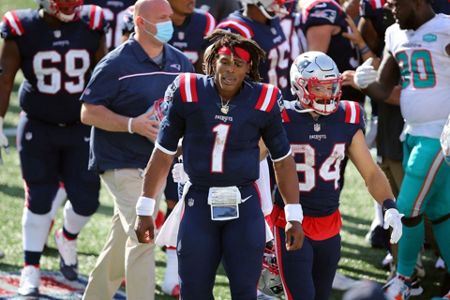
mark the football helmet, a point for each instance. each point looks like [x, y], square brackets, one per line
[270, 8]
[64, 10]
[270, 281]
[316, 81]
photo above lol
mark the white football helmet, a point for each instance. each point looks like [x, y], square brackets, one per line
[270, 281]
[316, 81]
[64, 10]
[270, 8]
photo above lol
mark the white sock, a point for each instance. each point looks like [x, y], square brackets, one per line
[34, 230]
[73, 222]
[60, 197]
[171, 274]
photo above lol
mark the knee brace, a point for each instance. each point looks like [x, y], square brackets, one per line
[412, 221]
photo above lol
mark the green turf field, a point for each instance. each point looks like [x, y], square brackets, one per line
[358, 261]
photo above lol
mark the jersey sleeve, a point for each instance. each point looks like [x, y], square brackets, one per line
[323, 13]
[173, 125]
[354, 114]
[94, 17]
[12, 25]
[104, 84]
[273, 134]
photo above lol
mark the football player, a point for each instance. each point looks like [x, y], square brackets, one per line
[417, 53]
[56, 47]
[322, 130]
[222, 116]
[260, 21]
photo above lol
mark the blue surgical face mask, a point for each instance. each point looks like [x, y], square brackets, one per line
[164, 30]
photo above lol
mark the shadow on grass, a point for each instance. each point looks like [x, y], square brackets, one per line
[12, 191]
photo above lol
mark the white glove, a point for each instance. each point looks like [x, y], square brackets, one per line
[392, 218]
[178, 174]
[365, 74]
[445, 141]
[3, 138]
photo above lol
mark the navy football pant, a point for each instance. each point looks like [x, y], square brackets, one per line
[50, 154]
[308, 273]
[203, 243]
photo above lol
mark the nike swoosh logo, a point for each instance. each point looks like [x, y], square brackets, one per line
[245, 199]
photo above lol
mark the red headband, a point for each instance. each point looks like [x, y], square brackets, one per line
[239, 52]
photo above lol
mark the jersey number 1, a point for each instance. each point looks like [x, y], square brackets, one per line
[220, 141]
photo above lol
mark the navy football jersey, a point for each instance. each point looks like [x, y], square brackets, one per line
[319, 146]
[189, 37]
[341, 50]
[221, 149]
[292, 26]
[270, 37]
[441, 6]
[114, 14]
[380, 17]
[56, 62]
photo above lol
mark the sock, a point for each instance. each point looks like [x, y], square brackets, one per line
[73, 222]
[34, 232]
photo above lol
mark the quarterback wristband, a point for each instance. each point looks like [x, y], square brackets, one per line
[130, 121]
[145, 206]
[388, 204]
[293, 212]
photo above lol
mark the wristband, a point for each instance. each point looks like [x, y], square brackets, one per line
[388, 204]
[130, 121]
[364, 50]
[145, 206]
[293, 212]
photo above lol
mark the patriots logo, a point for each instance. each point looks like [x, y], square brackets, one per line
[328, 14]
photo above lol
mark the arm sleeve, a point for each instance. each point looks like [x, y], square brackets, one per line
[173, 125]
[274, 135]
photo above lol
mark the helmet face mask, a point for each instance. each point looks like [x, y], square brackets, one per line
[316, 81]
[63, 10]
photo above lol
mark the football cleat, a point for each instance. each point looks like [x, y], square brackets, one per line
[30, 280]
[398, 288]
[68, 256]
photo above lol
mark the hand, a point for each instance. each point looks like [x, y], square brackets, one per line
[294, 235]
[146, 125]
[365, 74]
[145, 229]
[392, 218]
[348, 79]
[178, 174]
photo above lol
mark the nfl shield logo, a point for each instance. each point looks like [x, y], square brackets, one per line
[181, 35]
[316, 127]
[57, 33]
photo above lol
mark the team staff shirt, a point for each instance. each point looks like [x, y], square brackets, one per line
[128, 82]
[114, 14]
[56, 63]
[341, 50]
[221, 149]
[319, 146]
[425, 77]
[270, 37]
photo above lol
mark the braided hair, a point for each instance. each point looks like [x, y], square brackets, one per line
[220, 38]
